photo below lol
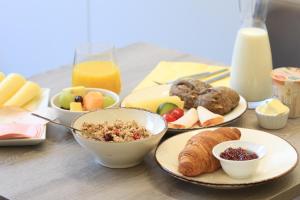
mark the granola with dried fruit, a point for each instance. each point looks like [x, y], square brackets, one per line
[118, 131]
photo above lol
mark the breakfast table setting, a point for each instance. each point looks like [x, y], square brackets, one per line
[145, 122]
[58, 167]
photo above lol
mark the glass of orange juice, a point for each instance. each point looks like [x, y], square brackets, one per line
[95, 67]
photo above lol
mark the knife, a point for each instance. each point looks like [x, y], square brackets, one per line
[221, 76]
[196, 76]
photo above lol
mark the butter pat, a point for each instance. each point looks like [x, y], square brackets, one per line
[273, 107]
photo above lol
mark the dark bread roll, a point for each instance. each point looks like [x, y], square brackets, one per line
[188, 90]
[220, 100]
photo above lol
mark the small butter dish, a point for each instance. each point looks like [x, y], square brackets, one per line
[272, 114]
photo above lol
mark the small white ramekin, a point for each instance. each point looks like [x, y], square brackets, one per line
[239, 169]
[272, 121]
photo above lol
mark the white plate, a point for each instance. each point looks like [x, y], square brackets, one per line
[276, 163]
[36, 105]
[163, 90]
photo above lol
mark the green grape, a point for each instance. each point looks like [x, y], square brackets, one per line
[76, 91]
[108, 101]
[65, 98]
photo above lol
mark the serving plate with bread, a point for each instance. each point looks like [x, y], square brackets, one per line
[204, 105]
[189, 157]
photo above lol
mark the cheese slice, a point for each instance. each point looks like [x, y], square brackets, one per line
[2, 76]
[208, 118]
[188, 120]
[25, 94]
[150, 98]
[9, 86]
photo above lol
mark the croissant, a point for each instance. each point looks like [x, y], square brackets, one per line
[196, 158]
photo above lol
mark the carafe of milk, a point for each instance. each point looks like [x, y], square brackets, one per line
[252, 60]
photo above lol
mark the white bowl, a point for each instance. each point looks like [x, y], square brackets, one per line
[239, 169]
[67, 116]
[121, 154]
[272, 121]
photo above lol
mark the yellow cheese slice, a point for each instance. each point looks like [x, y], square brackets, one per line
[150, 98]
[9, 86]
[25, 94]
[2, 76]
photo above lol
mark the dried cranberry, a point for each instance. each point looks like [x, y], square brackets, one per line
[108, 137]
[136, 136]
[117, 132]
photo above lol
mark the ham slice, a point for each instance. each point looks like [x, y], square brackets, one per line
[208, 118]
[16, 123]
[16, 131]
[188, 120]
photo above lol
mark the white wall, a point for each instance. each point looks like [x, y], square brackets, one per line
[38, 35]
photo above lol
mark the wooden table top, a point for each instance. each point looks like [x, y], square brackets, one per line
[60, 169]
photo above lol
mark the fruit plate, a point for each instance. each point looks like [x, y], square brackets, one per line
[39, 105]
[277, 162]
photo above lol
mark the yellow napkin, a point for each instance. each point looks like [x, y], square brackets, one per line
[168, 71]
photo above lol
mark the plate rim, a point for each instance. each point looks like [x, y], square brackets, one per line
[227, 185]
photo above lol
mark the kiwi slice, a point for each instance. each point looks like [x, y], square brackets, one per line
[165, 108]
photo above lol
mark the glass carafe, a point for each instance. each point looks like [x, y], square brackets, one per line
[252, 59]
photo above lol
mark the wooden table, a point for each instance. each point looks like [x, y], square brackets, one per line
[60, 169]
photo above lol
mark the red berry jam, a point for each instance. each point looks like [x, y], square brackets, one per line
[239, 154]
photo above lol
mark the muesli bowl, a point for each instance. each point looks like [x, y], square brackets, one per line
[120, 154]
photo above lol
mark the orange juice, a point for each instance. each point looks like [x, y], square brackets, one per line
[97, 74]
